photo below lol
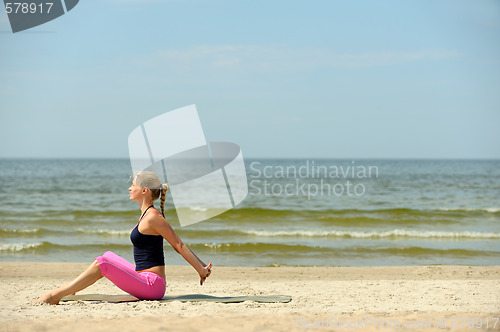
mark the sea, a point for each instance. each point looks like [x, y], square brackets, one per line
[298, 212]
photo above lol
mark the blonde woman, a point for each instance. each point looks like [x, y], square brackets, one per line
[147, 279]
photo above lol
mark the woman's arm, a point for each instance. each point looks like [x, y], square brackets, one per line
[162, 227]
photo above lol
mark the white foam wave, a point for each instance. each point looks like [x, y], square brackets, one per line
[18, 246]
[213, 245]
[378, 234]
[198, 209]
[104, 231]
[6, 230]
[488, 209]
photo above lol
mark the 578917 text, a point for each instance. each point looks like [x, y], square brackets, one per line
[28, 8]
[360, 323]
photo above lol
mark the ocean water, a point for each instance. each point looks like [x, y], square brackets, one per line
[309, 212]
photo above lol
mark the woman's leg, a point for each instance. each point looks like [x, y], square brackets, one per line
[84, 280]
[118, 270]
[144, 285]
[109, 255]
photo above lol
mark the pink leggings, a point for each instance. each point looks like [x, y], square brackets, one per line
[144, 285]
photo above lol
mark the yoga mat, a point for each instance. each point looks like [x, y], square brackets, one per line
[182, 298]
[100, 298]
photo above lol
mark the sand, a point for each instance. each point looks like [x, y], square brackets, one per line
[429, 298]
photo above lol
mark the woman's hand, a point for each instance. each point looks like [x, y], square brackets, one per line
[205, 273]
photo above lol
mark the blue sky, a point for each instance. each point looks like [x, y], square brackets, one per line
[286, 79]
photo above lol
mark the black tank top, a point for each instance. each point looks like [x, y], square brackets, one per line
[148, 250]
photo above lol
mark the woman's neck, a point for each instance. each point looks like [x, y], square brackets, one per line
[145, 204]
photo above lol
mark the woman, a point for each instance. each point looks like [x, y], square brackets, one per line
[147, 280]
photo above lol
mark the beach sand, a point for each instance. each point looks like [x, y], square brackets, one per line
[364, 298]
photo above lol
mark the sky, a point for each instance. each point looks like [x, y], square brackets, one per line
[282, 79]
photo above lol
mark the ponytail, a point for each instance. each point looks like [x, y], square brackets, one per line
[163, 191]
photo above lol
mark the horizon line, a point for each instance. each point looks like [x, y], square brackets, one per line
[269, 158]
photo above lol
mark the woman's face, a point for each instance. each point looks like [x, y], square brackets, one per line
[135, 192]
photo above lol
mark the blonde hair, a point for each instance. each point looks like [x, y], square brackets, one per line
[160, 192]
[163, 190]
[150, 180]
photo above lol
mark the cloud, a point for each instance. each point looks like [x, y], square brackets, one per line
[282, 58]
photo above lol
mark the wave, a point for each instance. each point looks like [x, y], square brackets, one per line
[111, 232]
[198, 209]
[493, 210]
[358, 216]
[43, 247]
[38, 232]
[396, 211]
[17, 247]
[257, 247]
[233, 233]
[254, 250]
[396, 233]
[329, 217]
[21, 231]
[431, 252]
[86, 213]
[252, 210]
[298, 250]
[28, 232]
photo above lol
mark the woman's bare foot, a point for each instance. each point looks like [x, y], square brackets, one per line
[47, 298]
[85, 279]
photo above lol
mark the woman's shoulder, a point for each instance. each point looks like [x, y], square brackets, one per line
[152, 223]
[154, 218]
